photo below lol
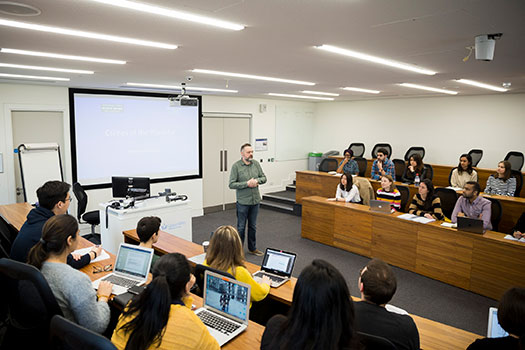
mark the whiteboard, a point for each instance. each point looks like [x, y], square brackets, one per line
[39, 163]
[294, 133]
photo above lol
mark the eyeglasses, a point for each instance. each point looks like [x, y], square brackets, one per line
[98, 269]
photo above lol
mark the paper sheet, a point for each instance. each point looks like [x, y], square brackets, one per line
[102, 256]
[512, 238]
[198, 259]
[449, 224]
[415, 218]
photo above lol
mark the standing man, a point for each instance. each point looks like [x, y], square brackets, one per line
[245, 177]
[383, 166]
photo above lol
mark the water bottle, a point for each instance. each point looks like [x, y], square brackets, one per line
[417, 180]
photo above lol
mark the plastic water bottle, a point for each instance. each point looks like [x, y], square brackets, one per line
[417, 180]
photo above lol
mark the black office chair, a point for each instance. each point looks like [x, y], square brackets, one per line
[399, 165]
[6, 238]
[362, 164]
[357, 148]
[67, 335]
[448, 198]
[515, 159]
[91, 217]
[496, 212]
[374, 342]
[429, 172]
[476, 155]
[328, 164]
[30, 305]
[199, 277]
[519, 181]
[450, 175]
[405, 197]
[382, 145]
[413, 150]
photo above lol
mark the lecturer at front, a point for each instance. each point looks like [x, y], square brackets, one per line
[245, 177]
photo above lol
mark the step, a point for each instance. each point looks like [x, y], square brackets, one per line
[290, 188]
[281, 207]
[270, 197]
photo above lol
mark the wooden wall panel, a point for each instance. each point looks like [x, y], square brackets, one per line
[395, 244]
[353, 232]
[317, 223]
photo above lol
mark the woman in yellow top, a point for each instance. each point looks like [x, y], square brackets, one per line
[225, 254]
[161, 317]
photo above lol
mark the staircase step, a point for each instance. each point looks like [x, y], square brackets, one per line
[271, 197]
[281, 207]
[290, 188]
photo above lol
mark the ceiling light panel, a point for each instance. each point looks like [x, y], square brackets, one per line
[51, 69]
[428, 88]
[302, 96]
[250, 76]
[319, 93]
[348, 88]
[33, 77]
[178, 87]
[481, 85]
[60, 56]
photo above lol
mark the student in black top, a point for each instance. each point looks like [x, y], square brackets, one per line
[414, 167]
[321, 315]
[511, 317]
[148, 232]
[519, 229]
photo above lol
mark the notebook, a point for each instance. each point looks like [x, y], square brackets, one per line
[494, 329]
[277, 265]
[226, 306]
[380, 206]
[131, 268]
[470, 224]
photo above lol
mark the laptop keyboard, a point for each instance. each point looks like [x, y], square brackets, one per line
[218, 323]
[121, 281]
[273, 278]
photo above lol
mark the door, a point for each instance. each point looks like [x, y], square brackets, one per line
[236, 132]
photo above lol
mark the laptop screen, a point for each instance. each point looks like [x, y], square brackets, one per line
[278, 261]
[494, 328]
[227, 296]
[133, 261]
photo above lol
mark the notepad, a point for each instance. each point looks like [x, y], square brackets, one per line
[512, 238]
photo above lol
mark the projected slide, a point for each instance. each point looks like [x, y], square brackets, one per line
[134, 136]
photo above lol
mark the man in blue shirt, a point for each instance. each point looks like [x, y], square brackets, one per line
[383, 166]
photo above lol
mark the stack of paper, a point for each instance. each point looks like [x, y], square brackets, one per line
[512, 238]
[412, 217]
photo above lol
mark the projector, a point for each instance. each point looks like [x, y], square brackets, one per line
[485, 45]
[183, 101]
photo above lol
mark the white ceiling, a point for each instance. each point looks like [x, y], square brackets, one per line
[278, 41]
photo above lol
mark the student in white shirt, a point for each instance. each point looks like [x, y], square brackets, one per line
[346, 190]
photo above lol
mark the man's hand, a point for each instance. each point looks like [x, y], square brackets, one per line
[252, 183]
[380, 165]
[345, 160]
[461, 214]
[518, 235]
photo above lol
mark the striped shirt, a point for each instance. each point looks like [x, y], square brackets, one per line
[498, 186]
[394, 198]
[417, 207]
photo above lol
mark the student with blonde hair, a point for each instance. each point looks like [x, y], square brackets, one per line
[389, 193]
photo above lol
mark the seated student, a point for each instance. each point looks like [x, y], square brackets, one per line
[464, 172]
[225, 253]
[161, 317]
[348, 165]
[321, 315]
[511, 313]
[425, 203]
[148, 232]
[519, 230]
[472, 205]
[72, 289]
[377, 284]
[414, 167]
[389, 193]
[501, 183]
[53, 199]
[346, 190]
[383, 166]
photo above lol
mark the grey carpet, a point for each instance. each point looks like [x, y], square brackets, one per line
[417, 294]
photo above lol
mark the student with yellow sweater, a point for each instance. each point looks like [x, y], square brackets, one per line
[161, 316]
[225, 253]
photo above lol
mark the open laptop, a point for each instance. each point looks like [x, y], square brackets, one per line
[380, 206]
[494, 329]
[277, 265]
[470, 224]
[226, 306]
[131, 268]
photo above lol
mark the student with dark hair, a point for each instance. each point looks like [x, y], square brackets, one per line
[414, 167]
[161, 317]
[348, 165]
[383, 166]
[389, 193]
[472, 205]
[72, 289]
[501, 182]
[426, 203]
[321, 315]
[346, 190]
[511, 316]
[53, 199]
[148, 232]
[378, 284]
[464, 172]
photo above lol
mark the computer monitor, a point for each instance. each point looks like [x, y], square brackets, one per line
[123, 186]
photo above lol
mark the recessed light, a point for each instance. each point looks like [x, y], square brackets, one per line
[319, 93]
[19, 76]
[302, 96]
[90, 35]
[250, 76]
[375, 59]
[361, 90]
[57, 55]
[481, 85]
[172, 13]
[177, 87]
[52, 69]
[428, 88]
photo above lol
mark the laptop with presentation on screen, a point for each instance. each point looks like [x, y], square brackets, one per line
[131, 268]
[470, 224]
[277, 265]
[226, 306]
[380, 206]
[494, 329]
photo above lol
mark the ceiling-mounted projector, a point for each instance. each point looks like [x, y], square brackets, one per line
[183, 100]
[485, 45]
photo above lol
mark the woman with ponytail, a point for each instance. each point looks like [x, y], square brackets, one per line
[72, 289]
[161, 317]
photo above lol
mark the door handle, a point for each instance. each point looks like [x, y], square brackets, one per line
[225, 160]
[221, 160]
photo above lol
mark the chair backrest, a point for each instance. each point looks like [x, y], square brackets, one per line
[519, 181]
[515, 159]
[399, 165]
[450, 175]
[476, 155]
[430, 171]
[67, 335]
[405, 196]
[199, 276]
[328, 164]
[382, 145]
[413, 150]
[496, 212]
[357, 148]
[375, 342]
[82, 199]
[362, 164]
[7, 237]
[448, 198]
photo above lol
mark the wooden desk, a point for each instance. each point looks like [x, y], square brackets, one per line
[317, 183]
[15, 214]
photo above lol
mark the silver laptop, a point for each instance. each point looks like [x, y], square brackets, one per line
[494, 329]
[226, 307]
[277, 265]
[380, 206]
[131, 268]
[470, 224]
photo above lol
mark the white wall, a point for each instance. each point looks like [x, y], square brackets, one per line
[445, 126]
